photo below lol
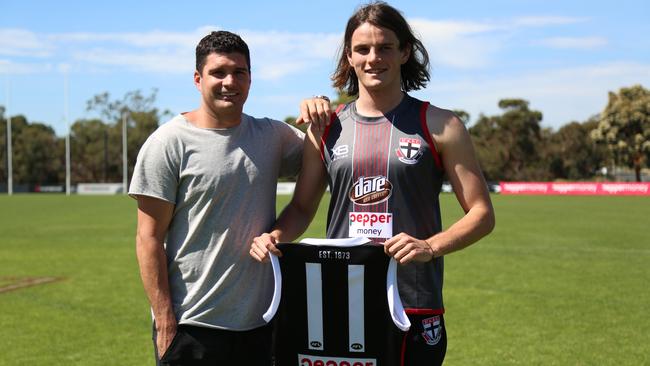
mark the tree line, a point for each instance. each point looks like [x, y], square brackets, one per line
[95, 144]
[510, 146]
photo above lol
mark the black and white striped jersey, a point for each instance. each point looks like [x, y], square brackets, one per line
[337, 303]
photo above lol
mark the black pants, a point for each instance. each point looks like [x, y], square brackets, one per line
[426, 341]
[198, 346]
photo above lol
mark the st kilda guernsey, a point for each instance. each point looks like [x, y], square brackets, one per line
[337, 304]
[385, 177]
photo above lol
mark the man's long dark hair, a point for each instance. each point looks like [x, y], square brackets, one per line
[414, 73]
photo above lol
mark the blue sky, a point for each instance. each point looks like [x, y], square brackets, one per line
[562, 56]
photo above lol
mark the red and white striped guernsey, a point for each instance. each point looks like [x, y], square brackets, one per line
[385, 177]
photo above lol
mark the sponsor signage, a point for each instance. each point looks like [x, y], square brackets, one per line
[370, 224]
[309, 360]
[100, 188]
[575, 188]
[370, 190]
[285, 188]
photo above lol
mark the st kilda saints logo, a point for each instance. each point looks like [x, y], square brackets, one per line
[432, 330]
[371, 190]
[410, 150]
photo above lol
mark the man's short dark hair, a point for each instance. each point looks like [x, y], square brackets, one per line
[221, 42]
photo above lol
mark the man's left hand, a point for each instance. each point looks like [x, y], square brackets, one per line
[405, 248]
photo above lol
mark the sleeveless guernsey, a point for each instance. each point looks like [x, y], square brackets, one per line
[337, 304]
[385, 176]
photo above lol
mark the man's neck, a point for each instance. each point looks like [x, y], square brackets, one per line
[374, 104]
[206, 118]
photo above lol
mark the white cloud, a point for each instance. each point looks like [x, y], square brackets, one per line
[563, 94]
[152, 39]
[544, 21]
[19, 42]
[458, 44]
[574, 42]
[463, 44]
[14, 68]
[144, 61]
[275, 55]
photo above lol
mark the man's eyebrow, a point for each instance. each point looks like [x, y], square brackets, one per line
[362, 44]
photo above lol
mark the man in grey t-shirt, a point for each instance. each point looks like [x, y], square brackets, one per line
[205, 184]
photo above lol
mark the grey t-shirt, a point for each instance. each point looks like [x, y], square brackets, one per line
[223, 185]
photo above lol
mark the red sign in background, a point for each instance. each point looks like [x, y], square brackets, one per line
[576, 188]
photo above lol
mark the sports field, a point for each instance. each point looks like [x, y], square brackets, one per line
[561, 281]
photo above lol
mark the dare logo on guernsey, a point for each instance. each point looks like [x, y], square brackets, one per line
[371, 190]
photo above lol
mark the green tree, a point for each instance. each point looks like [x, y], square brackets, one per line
[342, 98]
[36, 152]
[624, 127]
[37, 155]
[571, 154]
[89, 151]
[3, 146]
[142, 119]
[508, 145]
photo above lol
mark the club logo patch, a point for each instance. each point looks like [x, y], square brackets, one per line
[432, 330]
[371, 190]
[409, 151]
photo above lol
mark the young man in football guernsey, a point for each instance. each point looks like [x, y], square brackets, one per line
[205, 183]
[384, 157]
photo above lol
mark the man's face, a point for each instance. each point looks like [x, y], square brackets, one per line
[376, 57]
[224, 82]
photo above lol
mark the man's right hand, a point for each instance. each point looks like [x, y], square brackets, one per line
[317, 111]
[262, 246]
[165, 332]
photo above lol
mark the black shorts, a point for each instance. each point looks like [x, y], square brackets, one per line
[426, 341]
[199, 346]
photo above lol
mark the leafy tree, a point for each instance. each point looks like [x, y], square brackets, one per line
[571, 154]
[142, 119]
[89, 146]
[342, 98]
[624, 127]
[37, 155]
[3, 146]
[508, 145]
[36, 152]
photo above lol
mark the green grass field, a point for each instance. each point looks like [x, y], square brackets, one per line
[561, 281]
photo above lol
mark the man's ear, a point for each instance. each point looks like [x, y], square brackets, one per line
[348, 54]
[197, 79]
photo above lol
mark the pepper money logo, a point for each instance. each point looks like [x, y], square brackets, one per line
[371, 190]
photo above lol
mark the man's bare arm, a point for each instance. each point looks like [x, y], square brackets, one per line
[154, 216]
[299, 213]
[462, 168]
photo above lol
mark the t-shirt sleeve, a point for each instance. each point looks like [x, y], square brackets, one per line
[156, 172]
[292, 145]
